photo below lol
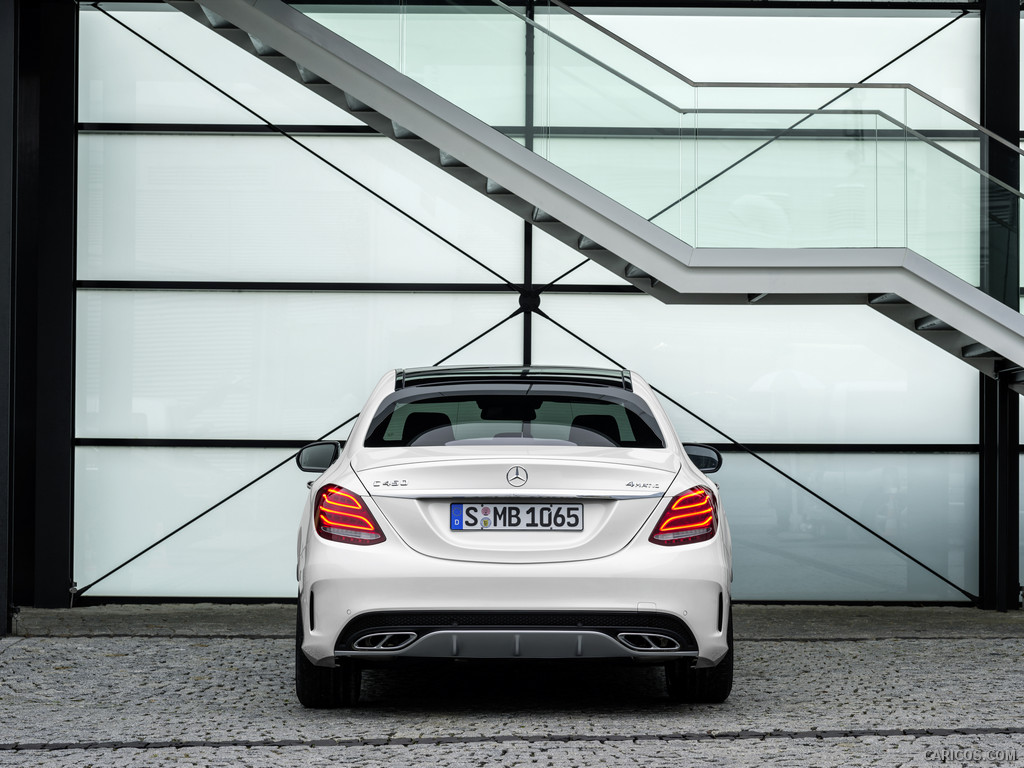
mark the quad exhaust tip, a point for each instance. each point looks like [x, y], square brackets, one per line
[384, 641]
[648, 641]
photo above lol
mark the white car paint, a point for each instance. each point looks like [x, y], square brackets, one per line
[610, 566]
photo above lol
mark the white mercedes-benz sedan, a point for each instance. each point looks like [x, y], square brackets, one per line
[512, 513]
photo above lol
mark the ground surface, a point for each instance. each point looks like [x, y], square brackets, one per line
[206, 685]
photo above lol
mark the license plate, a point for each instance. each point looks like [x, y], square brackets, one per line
[543, 516]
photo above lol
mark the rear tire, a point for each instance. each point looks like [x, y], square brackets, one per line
[324, 687]
[350, 681]
[709, 685]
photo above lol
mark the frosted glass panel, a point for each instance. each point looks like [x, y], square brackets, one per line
[260, 208]
[787, 545]
[129, 498]
[264, 365]
[928, 67]
[830, 374]
[690, 425]
[473, 59]
[378, 32]
[552, 258]
[122, 79]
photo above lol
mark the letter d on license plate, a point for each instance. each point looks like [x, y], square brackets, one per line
[504, 516]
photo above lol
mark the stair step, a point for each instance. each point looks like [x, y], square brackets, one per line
[309, 77]
[402, 133]
[355, 105]
[977, 350]
[216, 20]
[450, 161]
[262, 49]
[539, 215]
[494, 188]
[636, 273]
[931, 323]
[1014, 379]
[887, 298]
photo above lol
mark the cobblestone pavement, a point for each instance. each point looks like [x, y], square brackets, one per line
[212, 685]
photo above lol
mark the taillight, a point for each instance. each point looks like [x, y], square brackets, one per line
[691, 517]
[342, 516]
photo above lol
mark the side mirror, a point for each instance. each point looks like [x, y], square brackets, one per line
[704, 457]
[317, 457]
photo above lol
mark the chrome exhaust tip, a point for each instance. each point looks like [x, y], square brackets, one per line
[648, 641]
[384, 641]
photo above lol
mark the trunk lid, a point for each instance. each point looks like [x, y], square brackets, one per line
[614, 491]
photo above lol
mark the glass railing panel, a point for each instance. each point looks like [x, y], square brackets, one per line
[930, 121]
[614, 134]
[594, 121]
[765, 99]
[573, 88]
[639, 171]
[376, 29]
[818, 185]
[572, 31]
[472, 56]
[891, 184]
[889, 101]
[943, 211]
[1000, 226]
[726, 165]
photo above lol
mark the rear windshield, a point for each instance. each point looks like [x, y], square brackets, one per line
[510, 416]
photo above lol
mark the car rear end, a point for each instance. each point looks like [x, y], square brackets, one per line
[514, 513]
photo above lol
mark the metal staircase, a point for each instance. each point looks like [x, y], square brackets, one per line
[896, 281]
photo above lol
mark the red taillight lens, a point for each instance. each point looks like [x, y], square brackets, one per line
[342, 516]
[691, 517]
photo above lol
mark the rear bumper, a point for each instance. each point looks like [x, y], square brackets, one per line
[345, 592]
[516, 634]
[521, 644]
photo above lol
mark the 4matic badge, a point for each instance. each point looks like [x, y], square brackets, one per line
[633, 484]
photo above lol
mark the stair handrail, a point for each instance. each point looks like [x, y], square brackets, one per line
[735, 84]
[845, 88]
[808, 112]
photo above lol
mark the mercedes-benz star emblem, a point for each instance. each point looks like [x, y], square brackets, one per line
[517, 476]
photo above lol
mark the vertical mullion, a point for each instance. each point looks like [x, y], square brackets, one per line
[8, 69]
[42, 445]
[528, 118]
[1000, 277]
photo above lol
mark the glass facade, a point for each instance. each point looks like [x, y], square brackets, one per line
[288, 218]
[240, 292]
[790, 542]
[130, 498]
